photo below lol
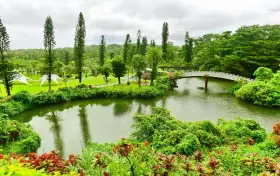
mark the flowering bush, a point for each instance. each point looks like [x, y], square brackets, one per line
[49, 162]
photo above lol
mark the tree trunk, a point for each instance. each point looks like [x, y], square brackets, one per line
[80, 77]
[128, 76]
[50, 70]
[50, 81]
[152, 81]
[7, 85]
[139, 79]
[119, 79]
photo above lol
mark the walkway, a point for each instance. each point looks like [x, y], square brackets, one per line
[213, 74]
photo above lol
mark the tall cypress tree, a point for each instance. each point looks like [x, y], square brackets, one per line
[49, 44]
[187, 40]
[189, 51]
[79, 45]
[153, 43]
[126, 47]
[144, 45]
[138, 41]
[66, 58]
[6, 72]
[165, 34]
[188, 47]
[102, 47]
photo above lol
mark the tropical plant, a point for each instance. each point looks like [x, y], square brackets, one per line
[139, 64]
[155, 57]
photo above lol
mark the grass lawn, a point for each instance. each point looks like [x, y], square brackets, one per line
[34, 84]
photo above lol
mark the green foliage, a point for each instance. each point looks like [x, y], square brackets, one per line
[18, 137]
[126, 47]
[168, 135]
[106, 69]
[163, 83]
[154, 56]
[263, 74]
[102, 47]
[49, 44]
[165, 34]
[118, 68]
[23, 101]
[11, 108]
[188, 47]
[144, 45]
[15, 168]
[23, 97]
[242, 52]
[79, 45]
[265, 91]
[6, 68]
[139, 64]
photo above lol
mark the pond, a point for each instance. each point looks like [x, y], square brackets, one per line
[67, 127]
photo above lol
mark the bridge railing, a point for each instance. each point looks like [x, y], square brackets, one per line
[223, 75]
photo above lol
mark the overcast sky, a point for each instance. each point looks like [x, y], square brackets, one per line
[25, 19]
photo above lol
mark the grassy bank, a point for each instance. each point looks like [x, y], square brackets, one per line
[24, 100]
[34, 85]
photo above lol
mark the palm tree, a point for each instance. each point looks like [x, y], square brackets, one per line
[139, 64]
[154, 56]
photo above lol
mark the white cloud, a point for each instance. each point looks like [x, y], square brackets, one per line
[115, 18]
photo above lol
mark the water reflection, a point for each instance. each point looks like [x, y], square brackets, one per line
[107, 120]
[122, 107]
[56, 129]
[84, 124]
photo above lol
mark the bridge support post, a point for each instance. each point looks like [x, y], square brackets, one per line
[206, 78]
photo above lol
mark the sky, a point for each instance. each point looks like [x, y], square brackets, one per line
[24, 19]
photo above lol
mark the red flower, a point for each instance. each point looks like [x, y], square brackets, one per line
[1, 156]
[147, 143]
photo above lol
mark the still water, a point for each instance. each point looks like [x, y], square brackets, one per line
[67, 127]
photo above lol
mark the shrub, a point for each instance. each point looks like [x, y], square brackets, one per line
[18, 137]
[264, 91]
[188, 145]
[14, 165]
[276, 128]
[11, 108]
[23, 97]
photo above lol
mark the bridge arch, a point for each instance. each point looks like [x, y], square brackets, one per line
[212, 74]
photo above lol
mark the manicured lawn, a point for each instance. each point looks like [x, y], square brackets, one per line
[34, 84]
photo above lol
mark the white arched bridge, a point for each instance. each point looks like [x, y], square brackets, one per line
[212, 74]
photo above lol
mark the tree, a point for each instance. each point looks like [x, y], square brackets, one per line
[6, 68]
[111, 56]
[139, 64]
[79, 45]
[58, 67]
[144, 45]
[155, 57]
[102, 47]
[132, 51]
[153, 43]
[126, 46]
[138, 41]
[49, 44]
[263, 74]
[189, 51]
[106, 69]
[66, 58]
[188, 47]
[118, 67]
[165, 34]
